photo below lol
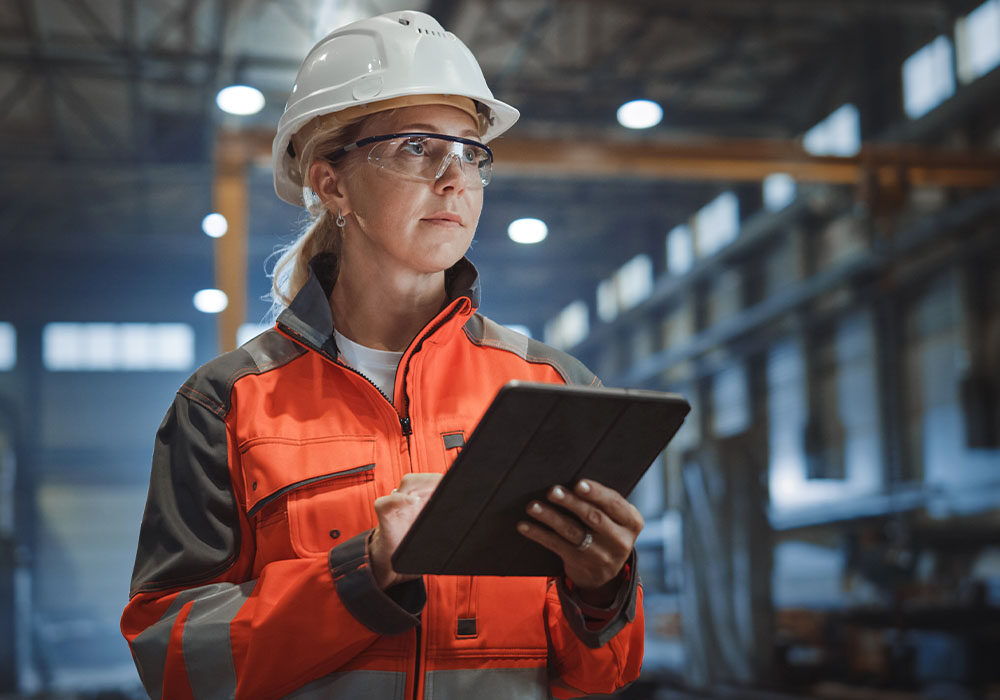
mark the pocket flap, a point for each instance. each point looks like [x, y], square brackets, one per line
[273, 466]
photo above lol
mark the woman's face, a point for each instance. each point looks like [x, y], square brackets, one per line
[418, 226]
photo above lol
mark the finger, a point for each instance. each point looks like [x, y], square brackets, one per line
[568, 528]
[548, 539]
[419, 483]
[417, 480]
[394, 502]
[589, 514]
[616, 506]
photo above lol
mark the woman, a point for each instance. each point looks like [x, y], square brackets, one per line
[286, 472]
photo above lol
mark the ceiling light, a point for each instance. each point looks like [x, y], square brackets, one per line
[210, 301]
[527, 230]
[215, 225]
[240, 99]
[640, 114]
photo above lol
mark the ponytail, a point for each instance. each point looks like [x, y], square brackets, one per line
[322, 136]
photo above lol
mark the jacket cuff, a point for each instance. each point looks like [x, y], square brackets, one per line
[383, 612]
[616, 616]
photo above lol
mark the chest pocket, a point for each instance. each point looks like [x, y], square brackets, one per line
[327, 485]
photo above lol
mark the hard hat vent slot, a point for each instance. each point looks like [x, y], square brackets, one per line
[431, 32]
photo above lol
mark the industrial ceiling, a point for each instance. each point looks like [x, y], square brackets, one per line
[108, 125]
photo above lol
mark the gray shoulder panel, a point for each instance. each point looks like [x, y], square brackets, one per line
[486, 332]
[190, 530]
[212, 384]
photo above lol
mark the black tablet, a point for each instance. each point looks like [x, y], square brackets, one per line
[532, 437]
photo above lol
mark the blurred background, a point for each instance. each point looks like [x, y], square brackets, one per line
[785, 210]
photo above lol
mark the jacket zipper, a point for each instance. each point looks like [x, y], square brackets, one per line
[416, 661]
[404, 420]
[407, 429]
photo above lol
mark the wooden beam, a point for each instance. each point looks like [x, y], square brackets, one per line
[230, 197]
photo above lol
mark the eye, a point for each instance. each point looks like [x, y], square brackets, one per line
[413, 147]
[470, 155]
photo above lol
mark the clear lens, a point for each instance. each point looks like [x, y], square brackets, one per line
[429, 157]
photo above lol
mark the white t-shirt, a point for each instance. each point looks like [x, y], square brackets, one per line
[378, 365]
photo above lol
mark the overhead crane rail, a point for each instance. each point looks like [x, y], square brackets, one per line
[888, 167]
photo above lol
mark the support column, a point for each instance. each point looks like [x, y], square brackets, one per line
[230, 197]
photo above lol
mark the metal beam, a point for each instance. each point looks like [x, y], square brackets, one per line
[231, 198]
[920, 12]
[750, 160]
[727, 160]
[861, 266]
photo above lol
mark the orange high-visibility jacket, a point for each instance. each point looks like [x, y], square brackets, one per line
[252, 578]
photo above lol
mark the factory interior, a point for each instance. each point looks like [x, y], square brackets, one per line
[788, 211]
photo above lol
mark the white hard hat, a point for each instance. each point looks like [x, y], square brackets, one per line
[393, 55]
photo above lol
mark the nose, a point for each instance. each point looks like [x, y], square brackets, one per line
[452, 175]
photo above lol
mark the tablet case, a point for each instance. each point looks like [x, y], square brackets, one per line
[532, 437]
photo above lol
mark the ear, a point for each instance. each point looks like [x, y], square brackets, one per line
[328, 184]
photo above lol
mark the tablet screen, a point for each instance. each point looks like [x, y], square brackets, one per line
[532, 437]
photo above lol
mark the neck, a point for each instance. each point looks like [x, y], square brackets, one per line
[381, 306]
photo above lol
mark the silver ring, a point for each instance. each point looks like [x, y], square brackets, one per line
[587, 539]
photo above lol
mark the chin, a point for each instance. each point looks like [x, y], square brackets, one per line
[431, 267]
[444, 255]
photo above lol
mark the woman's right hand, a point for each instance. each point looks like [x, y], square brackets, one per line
[396, 513]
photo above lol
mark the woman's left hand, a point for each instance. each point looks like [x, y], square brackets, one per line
[592, 556]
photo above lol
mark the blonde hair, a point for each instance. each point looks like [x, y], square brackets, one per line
[321, 233]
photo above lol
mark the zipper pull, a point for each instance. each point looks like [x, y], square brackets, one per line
[404, 423]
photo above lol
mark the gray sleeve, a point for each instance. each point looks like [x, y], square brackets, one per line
[617, 615]
[392, 611]
[190, 529]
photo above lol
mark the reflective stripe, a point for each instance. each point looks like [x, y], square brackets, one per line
[205, 642]
[378, 685]
[488, 684]
[150, 647]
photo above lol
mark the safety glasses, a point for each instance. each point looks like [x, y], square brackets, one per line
[426, 157]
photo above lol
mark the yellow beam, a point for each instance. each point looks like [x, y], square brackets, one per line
[744, 161]
[749, 160]
[230, 198]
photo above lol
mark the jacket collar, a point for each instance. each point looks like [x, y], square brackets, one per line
[309, 317]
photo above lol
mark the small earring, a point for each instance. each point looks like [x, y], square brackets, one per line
[340, 219]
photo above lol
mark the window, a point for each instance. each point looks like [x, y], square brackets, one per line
[607, 300]
[631, 284]
[680, 250]
[117, 346]
[730, 409]
[717, 224]
[837, 135]
[634, 281]
[977, 41]
[569, 327]
[779, 191]
[8, 346]
[928, 78]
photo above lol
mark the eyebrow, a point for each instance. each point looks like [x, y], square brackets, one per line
[467, 133]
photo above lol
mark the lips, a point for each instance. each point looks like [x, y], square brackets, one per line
[444, 217]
